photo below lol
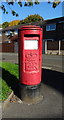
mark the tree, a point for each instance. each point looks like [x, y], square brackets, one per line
[0, 26]
[15, 22]
[26, 3]
[5, 24]
[31, 18]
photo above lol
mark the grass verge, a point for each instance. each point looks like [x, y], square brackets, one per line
[7, 79]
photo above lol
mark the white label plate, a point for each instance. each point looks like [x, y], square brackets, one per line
[31, 44]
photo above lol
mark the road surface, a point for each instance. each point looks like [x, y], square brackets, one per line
[54, 62]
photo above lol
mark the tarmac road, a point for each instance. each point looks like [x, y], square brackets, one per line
[54, 62]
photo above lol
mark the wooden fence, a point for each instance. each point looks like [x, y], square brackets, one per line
[6, 47]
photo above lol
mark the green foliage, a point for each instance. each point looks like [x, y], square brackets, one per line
[30, 4]
[3, 9]
[11, 3]
[5, 24]
[36, 2]
[26, 3]
[12, 69]
[55, 3]
[14, 13]
[0, 26]
[6, 90]
[31, 18]
[20, 4]
[14, 22]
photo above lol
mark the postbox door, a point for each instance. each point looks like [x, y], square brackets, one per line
[31, 54]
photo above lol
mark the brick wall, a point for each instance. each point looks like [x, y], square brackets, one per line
[7, 47]
[62, 45]
[0, 47]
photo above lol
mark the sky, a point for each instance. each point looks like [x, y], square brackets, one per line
[43, 9]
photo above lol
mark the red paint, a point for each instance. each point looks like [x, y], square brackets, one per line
[30, 61]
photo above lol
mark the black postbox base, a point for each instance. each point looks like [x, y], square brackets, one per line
[30, 94]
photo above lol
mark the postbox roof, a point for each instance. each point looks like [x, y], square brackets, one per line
[32, 27]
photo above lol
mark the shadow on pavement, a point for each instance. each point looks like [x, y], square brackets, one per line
[53, 79]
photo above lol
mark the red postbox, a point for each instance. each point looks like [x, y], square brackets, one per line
[30, 54]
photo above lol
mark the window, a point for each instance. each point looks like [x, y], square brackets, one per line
[16, 32]
[0, 33]
[7, 33]
[50, 27]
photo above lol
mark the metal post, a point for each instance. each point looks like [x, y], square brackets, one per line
[46, 47]
[59, 46]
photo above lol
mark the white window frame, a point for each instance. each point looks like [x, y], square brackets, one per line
[48, 27]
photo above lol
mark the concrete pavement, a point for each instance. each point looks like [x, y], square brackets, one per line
[50, 107]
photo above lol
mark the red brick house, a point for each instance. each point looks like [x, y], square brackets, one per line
[53, 36]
